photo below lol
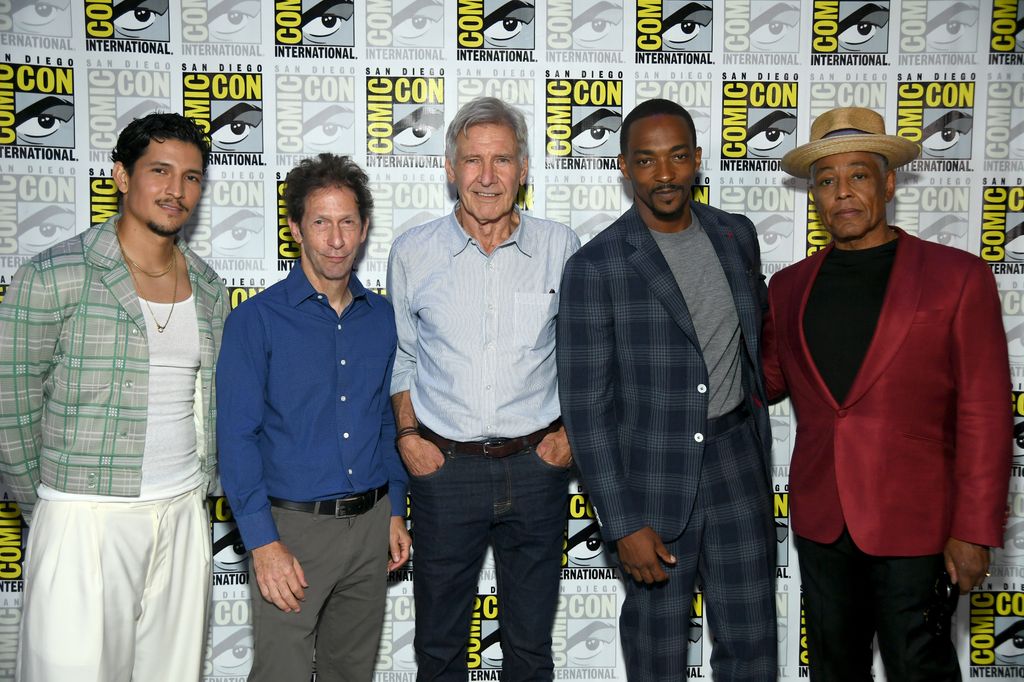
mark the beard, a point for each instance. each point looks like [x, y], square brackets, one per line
[164, 230]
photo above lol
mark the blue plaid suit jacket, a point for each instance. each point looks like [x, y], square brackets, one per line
[629, 363]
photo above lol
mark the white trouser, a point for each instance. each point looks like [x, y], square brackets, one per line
[116, 591]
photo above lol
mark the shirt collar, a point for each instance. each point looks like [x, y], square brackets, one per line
[522, 237]
[298, 287]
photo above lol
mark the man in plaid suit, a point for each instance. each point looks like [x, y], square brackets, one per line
[660, 385]
[107, 346]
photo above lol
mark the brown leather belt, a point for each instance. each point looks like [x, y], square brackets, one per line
[351, 505]
[495, 448]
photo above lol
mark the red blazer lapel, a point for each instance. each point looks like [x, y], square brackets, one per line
[901, 298]
[802, 284]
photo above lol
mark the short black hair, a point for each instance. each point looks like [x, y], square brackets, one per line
[136, 136]
[326, 171]
[655, 107]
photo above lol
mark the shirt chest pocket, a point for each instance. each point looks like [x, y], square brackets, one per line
[534, 319]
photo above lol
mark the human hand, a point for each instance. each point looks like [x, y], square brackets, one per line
[554, 449]
[421, 457]
[641, 554]
[400, 544]
[279, 576]
[966, 563]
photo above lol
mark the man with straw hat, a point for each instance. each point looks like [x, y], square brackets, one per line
[892, 352]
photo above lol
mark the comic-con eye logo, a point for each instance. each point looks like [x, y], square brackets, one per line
[935, 214]
[116, 98]
[108, 24]
[44, 18]
[229, 108]
[585, 631]
[584, 547]
[939, 26]
[582, 118]
[584, 25]
[39, 212]
[1006, 40]
[695, 632]
[494, 25]
[758, 123]
[484, 649]
[673, 26]
[396, 652]
[763, 26]
[405, 23]
[314, 22]
[771, 209]
[1004, 128]
[404, 117]
[1002, 225]
[229, 554]
[221, 21]
[315, 113]
[849, 26]
[230, 651]
[997, 629]
[939, 116]
[37, 108]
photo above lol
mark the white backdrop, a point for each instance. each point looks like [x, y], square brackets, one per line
[380, 79]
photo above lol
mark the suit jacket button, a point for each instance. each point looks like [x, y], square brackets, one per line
[699, 437]
[842, 413]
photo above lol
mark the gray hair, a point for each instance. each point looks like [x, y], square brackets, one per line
[488, 110]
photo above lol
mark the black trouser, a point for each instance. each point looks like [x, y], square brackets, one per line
[849, 596]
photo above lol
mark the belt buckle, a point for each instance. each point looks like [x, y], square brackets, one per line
[493, 443]
[339, 506]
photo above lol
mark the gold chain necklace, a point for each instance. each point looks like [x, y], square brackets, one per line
[174, 296]
[135, 265]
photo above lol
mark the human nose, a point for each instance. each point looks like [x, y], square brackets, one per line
[663, 170]
[487, 174]
[176, 186]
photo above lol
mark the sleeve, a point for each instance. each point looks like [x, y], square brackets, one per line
[30, 327]
[405, 322]
[774, 379]
[586, 356]
[241, 387]
[398, 479]
[984, 425]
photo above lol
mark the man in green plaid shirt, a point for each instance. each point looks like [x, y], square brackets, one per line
[107, 349]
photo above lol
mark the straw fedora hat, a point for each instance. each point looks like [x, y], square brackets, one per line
[851, 129]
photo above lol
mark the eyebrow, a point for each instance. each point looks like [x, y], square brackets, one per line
[679, 147]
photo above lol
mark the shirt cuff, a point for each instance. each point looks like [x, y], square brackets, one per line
[396, 493]
[257, 529]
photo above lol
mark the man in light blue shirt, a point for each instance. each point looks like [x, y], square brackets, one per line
[476, 401]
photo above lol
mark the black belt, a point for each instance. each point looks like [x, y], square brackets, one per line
[352, 505]
[720, 425]
[494, 448]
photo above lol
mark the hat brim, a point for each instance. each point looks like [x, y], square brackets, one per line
[897, 150]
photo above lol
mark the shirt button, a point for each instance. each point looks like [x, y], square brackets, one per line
[345, 435]
[701, 388]
[319, 297]
[343, 363]
[343, 398]
[349, 472]
[842, 413]
[699, 437]
[339, 327]
[488, 387]
[134, 332]
[128, 384]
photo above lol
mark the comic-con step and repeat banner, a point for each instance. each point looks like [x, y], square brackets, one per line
[273, 83]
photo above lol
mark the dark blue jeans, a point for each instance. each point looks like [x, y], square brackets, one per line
[518, 504]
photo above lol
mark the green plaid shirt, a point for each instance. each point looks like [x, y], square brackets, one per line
[74, 370]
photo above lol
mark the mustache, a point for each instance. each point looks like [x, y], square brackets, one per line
[663, 186]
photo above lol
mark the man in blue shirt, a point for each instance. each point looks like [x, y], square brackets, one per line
[307, 440]
[476, 401]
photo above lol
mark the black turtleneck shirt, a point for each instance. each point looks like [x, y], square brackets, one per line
[842, 312]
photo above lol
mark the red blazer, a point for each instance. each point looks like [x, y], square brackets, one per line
[919, 451]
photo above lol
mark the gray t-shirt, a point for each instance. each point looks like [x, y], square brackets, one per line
[698, 272]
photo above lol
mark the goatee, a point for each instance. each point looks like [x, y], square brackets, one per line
[163, 231]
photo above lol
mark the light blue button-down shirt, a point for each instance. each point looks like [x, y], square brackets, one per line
[476, 332]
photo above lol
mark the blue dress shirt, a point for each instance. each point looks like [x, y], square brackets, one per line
[303, 408]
